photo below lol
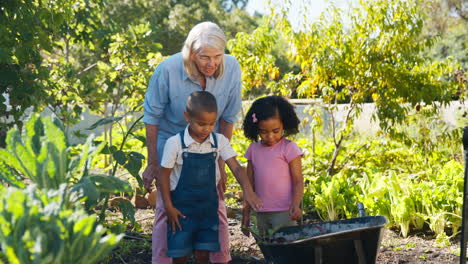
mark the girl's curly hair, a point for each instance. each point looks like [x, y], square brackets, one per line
[268, 107]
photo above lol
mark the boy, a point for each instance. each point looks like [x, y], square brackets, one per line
[188, 179]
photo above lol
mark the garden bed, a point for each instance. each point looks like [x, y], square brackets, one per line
[416, 248]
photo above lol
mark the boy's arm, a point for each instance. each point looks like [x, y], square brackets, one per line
[165, 189]
[250, 177]
[246, 206]
[295, 167]
[241, 177]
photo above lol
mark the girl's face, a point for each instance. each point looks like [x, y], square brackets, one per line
[270, 131]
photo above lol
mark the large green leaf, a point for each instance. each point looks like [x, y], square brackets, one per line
[33, 132]
[110, 184]
[47, 227]
[8, 176]
[127, 209]
[120, 157]
[134, 165]
[105, 121]
[86, 189]
[55, 134]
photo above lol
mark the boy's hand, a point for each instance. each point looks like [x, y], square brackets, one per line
[245, 221]
[173, 218]
[253, 200]
[295, 212]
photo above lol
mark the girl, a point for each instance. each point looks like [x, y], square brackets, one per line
[274, 163]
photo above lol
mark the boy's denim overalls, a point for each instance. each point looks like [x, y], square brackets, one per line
[195, 197]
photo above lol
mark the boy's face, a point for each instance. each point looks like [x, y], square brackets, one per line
[201, 125]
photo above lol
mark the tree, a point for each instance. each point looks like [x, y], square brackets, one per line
[69, 54]
[172, 20]
[374, 52]
[446, 24]
[29, 29]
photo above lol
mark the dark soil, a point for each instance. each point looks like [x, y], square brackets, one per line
[416, 248]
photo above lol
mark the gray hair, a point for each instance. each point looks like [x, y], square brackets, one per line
[203, 35]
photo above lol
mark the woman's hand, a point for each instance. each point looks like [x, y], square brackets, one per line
[173, 218]
[295, 212]
[149, 174]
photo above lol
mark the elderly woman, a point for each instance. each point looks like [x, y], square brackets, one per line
[202, 65]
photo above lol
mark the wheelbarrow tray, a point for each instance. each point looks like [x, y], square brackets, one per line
[350, 241]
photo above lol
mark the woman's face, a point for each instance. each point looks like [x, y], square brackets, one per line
[208, 60]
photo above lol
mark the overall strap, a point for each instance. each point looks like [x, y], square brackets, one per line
[182, 133]
[215, 140]
[214, 145]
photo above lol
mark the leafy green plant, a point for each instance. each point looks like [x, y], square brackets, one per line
[49, 226]
[40, 153]
[121, 147]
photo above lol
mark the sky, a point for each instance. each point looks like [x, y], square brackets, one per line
[314, 8]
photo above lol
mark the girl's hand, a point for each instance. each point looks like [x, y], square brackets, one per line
[253, 200]
[173, 218]
[245, 220]
[295, 212]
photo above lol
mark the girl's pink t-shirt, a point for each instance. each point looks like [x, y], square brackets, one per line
[273, 183]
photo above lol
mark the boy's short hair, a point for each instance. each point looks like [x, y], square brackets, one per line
[201, 101]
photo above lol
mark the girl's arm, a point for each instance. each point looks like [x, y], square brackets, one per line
[246, 206]
[165, 189]
[241, 177]
[295, 167]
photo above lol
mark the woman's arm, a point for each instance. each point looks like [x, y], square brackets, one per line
[151, 170]
[225, 128]
[295, 167]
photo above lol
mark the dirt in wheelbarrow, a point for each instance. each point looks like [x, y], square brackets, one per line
[394, 249]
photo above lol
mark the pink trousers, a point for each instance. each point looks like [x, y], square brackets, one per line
[160, 235]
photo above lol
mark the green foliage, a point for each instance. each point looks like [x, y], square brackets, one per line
[452, 44]
[30, 29]
[172, 20]
[121, 147]
[40, 153]
[378, 55]
[253, 51]
[49, 226]
[372, 53]
[261, 55]
[72, 55]
[414, 179]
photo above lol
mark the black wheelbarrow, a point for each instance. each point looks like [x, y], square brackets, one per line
[347, 241]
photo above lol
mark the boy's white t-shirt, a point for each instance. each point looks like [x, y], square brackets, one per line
[172, 155]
